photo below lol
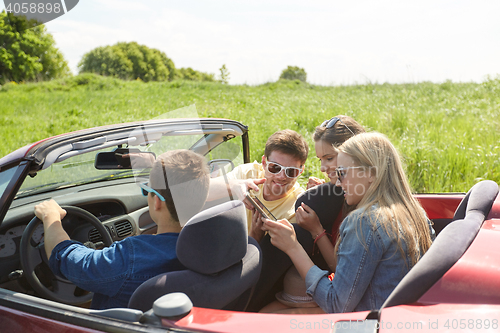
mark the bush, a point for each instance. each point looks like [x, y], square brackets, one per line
[224, 74]
[294, 73]
[86, 81]
[128, 61]
[28, 54]
[190, 74]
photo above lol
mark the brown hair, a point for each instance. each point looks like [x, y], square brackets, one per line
[182, 178]
[339, 133]
[336, 136]
[288, 142]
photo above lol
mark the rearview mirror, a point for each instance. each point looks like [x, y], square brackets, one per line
[121, 158]
[219, 167]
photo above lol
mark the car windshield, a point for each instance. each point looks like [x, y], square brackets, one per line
[80, 169]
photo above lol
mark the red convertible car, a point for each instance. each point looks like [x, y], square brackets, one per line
[454, 287]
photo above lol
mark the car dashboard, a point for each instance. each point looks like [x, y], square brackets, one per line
[118, 204]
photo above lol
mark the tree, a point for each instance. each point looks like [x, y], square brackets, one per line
[224, 74]
[294, 73]
[129, 61]
[28, 52]
[193, 75]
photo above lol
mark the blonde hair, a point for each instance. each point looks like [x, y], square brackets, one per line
[400, 214]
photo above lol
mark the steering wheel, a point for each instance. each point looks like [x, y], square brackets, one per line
[62, 290]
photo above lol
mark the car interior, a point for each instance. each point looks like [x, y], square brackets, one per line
[223, 262]
[95, 177]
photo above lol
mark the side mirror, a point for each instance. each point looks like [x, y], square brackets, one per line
[172, 307]
[123, 158]
[220, 167]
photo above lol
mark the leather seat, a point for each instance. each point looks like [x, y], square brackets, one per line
[223, 263]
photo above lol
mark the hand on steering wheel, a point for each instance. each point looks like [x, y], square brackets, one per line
[32, 256]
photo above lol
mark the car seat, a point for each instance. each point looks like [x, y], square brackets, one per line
[449, 245]
[223, 263]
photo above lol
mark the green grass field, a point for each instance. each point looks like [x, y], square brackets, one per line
[448, 134]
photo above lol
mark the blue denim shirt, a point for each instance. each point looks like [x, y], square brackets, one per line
[367, 270]
[114, 273]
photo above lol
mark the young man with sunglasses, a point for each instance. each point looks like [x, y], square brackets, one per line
[273, 181]
[317, 208]
[114, 272]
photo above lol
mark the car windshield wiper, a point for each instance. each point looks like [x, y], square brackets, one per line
[122, 174]
[37, 189]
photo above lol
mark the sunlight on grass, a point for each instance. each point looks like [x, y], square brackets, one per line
[448, 134]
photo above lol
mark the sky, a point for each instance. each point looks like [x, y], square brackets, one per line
[336, 42]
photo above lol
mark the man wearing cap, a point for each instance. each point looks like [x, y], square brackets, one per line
[114, 272]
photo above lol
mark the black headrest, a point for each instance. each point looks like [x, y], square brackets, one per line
[479, 199]
[214, 239]
[449, 246]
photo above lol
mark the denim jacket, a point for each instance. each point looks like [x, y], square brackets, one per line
[114, 272]
[367, 270]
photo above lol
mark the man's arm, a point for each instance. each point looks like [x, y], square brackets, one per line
[51, 215]
[236, 187]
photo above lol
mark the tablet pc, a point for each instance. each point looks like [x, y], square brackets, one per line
[266, 213]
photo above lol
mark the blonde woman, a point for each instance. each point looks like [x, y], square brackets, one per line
[378, 242]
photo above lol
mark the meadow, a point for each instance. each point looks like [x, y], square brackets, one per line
[448, 134]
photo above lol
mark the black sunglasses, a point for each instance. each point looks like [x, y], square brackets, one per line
[331, 122]
[341, 172]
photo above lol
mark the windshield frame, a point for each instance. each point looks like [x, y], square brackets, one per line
[17, 178]
[45, 152]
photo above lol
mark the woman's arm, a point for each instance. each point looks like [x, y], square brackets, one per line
[283, 237]
[359, 254]
[328, 251]
[306, 218]
[314, 181]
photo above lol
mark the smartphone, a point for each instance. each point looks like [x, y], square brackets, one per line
[266, 213]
